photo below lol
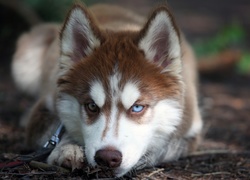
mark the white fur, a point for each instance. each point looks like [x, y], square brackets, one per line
[130, 95]
[92, 134]
[132, 141]
[162, 22]
[97, 93]
[168, 113]
[70, 114]
[167, 116]
[197, 124]
[113, 82]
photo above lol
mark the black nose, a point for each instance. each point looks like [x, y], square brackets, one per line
[108, 158]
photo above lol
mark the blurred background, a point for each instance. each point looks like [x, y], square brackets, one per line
[215, 28]
[218, 31]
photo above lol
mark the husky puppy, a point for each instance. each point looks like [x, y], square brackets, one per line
[124, 88]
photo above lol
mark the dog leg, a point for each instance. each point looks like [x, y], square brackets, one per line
[67, 154]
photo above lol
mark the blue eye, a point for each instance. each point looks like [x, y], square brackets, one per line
[137, 108]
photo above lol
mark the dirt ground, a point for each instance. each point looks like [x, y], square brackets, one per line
[224, 100]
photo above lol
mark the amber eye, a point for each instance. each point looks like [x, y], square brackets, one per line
[92, 107]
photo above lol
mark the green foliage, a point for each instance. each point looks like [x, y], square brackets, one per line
[232, 36]
[229, 36]
[243, 66]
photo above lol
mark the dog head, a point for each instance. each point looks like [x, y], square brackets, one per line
[119, 92]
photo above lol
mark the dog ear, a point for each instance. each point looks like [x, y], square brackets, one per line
[160, 41]
[79, 36]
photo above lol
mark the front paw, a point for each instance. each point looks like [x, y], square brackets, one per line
[67, 155]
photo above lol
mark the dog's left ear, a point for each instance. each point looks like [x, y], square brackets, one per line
[160, 41]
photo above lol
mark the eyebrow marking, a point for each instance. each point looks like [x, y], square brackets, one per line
[130, 94]
[97, 93]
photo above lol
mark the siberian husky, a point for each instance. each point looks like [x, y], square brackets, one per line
[124, 88]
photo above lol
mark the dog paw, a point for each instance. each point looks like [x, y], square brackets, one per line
[68, 155]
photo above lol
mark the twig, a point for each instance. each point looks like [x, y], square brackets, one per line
[44, 166]
[29, 174]
[211, 174]
[155, 172]
[206, 152]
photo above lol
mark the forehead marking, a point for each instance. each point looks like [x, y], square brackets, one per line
[114, 92]
[114, 81]
[111, 123]
[97, 93]
[130, 94]
[111, 116]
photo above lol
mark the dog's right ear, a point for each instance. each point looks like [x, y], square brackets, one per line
[79, 36]
[160, 41]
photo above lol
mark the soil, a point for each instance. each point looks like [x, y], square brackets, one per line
[224, 152]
